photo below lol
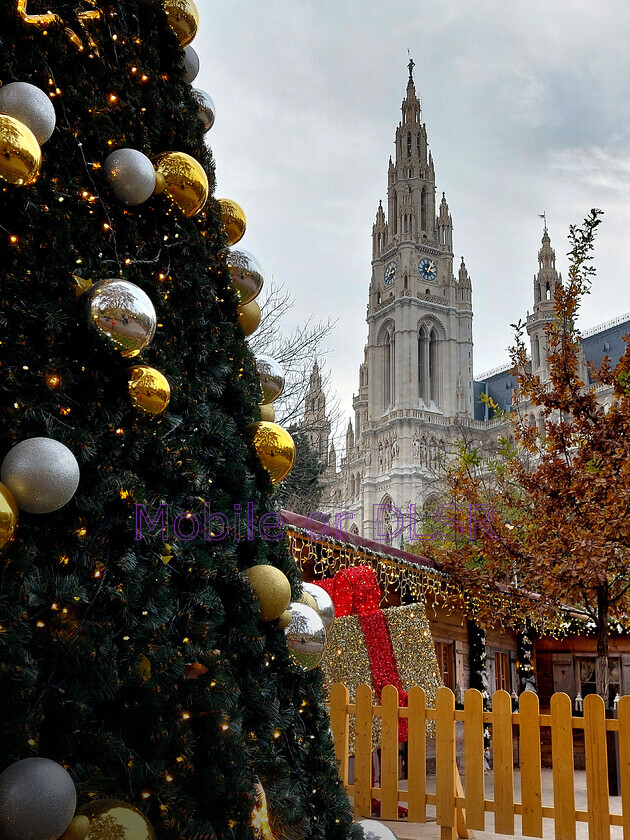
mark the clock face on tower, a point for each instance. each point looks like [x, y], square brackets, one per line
[427, 269]
[390, 272]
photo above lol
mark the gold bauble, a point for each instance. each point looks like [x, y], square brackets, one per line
[160, 184]
[267, 412]
[233, 219]
[186, 181]
[8, 516]
[284, 620]
[148, 389]
[308, 600]
[20, 155]
[77, 829]
[249, 317]
[183, 18]
[272, 589]
[275, 448]
[111, 818]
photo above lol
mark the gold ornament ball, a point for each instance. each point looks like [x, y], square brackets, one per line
[267, 412]
[160, 183]
[272, 589]
[111, 818]
[185, 179]
[20, 155]
[8, 516]
[148, 389]
[308, 600]
[233, 219]
[249, 317]
[183, 18]
[284, 620]
[275, 448]
[77, 829]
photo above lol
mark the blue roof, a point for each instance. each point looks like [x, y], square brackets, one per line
[597, 343]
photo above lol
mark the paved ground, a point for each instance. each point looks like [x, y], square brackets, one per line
[430, 831]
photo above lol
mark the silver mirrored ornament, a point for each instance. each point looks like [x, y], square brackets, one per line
[122, 313]
[325, 606]
[306, 636]
[246, 275]
[207, 111]
[271, 378]
[131, 176]
[37, 800]
[375, 830]
[191, 64]
[42, 473]
[31, 106]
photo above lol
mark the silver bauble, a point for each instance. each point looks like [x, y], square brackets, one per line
[207, 111]
[375, 830]
[191, 64]
[37, 800]
[31, 106]
[131, 176]
[271, 378]
[306, 636]
[246, 274]
[42, 473]
[325, 606]
[122, 313]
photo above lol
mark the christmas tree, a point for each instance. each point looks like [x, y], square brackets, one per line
[133, 650]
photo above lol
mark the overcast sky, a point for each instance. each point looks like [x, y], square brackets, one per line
[527, 108]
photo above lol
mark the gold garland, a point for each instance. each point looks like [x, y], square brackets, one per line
[327, 555]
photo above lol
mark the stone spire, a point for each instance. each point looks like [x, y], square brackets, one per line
[315, 424]
[444, 224]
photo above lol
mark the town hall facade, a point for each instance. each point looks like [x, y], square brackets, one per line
[417, 395]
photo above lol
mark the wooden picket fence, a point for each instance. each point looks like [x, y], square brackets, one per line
[460, 808]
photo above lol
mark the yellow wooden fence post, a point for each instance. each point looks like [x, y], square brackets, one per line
[417, 755]
[474, 759]
[445, 762]
[502, 763]
[389, 753]
[340, 725]
[363, 752]
[623, 716]
[562, 763]
[531, 779]
[596, 768]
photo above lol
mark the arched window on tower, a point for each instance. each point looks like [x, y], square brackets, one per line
[547, 292]
[433, 366]
[423, 209]
[405, 282]
[536, 352]
[408, 144]
[395, 213]
[388, 369]
[428, 365]
[418, 146]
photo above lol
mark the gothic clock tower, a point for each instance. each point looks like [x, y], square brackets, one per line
[416, 382]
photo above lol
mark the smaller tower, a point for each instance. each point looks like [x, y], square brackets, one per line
[315, 424]
[545, 283]
[444, 225]
[379, 232]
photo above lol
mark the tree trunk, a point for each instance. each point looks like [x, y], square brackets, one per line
[601, 663]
